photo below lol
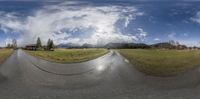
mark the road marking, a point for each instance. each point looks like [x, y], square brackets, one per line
[126, 60]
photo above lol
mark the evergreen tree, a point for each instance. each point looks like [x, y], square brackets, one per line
[39, 43]
[50, 44]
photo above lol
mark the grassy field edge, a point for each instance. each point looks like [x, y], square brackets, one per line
[65, 62]
[161, 64]
[5, 54]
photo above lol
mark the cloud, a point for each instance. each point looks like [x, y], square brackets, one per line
[141, 34]
[73, 24]
[196, 18]
[172, 35]
[190, 43]
[8, 41]
[156, 39]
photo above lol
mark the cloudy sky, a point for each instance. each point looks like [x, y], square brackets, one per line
[99, 21]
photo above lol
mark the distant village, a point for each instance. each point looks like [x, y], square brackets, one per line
[50, 45]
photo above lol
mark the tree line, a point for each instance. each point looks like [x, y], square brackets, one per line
[162, 45]
[49, 46]
[12, 45]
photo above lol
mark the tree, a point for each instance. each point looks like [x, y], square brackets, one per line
[14, 45]
[39, 44]
[8, 45]
[50, 44]
[177, 43]
[172, 42]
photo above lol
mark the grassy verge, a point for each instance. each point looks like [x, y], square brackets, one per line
[162, 62]
[69, 55]
[4, 53]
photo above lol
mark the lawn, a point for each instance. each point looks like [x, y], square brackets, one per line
[69, 55]
[162, 62]
[4, 53]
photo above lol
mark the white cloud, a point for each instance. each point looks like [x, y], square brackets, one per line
[190, 43]
[60, 22]
[157, 39]
[141, 34]
[172, 35]
[6, 42]
[196, 18]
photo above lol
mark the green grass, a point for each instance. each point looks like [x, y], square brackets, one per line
[4, 53]
[69, 55]
[162, 62]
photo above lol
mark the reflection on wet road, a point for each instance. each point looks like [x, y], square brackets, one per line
[108, 77]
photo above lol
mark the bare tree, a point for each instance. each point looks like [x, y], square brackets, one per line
[14, 44]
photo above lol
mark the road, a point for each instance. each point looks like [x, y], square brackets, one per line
[109, 77]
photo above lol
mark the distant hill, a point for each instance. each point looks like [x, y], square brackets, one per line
[168, 45]
[163, 45]
[68, 45]
[126, 45]
[87, 45]
[72, 45]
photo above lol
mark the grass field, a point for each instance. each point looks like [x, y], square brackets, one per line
[4, 53]
[69, 55]
[162, 62]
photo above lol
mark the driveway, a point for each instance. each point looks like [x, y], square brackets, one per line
[108, 77]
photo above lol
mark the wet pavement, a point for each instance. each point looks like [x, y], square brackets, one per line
[109, 77]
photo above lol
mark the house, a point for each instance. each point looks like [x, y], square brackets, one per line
[31, 47]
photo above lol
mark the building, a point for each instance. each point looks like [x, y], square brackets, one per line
[31, 47]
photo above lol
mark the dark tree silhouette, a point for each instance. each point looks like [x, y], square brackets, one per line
[39, 43]
[50, 44]
[14, 44]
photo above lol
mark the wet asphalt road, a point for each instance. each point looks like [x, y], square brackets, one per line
[108, 77]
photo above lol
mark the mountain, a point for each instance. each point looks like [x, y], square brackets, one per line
[72, 45]
[126, 45]
[163, 45]
[87, 45]
[168, 45]
[68, 45]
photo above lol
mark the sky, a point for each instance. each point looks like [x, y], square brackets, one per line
[100, 22]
